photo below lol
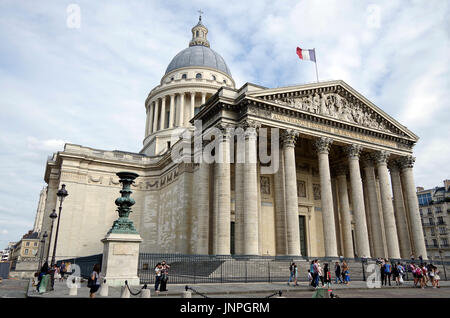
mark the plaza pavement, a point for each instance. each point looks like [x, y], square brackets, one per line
[232, 290]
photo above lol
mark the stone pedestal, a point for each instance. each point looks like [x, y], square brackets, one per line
[120, 259]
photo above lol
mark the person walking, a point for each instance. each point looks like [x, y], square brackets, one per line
[158, 273]
[387, 272]
[436, 277]
[395, 274]
[164, 275]
[401, 273]
[337, 273]
[327, 275]
[383, 271]
[291, 273]
[62, 270]
[94, 281]
[321, 274]
[295, 275]
[346, 273]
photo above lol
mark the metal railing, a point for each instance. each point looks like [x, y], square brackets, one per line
[85, 263]
[198, 269]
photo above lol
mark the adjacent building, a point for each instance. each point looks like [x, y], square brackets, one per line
[324, 172]
[434, 211]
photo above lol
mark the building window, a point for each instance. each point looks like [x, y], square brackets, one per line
[172, 78]
[442, 230]
[198, 75]
[214, 77]
[432, 231]
[438, 209]
[26, 251]
[444, 242]
[35, 243]
[27, 244]
[424, 199]
[196, 33]
[184, 76]
[429, 211]
[440, 220]
[435, 243]
[224, 81]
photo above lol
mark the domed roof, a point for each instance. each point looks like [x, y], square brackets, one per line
[198, 55]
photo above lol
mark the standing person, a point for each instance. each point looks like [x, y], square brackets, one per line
[320, 273]
[387, 272]
[436, 277]
[295, 275]
[395, 274]
[327, 275]
[383, 271]
[337, 272]
[94, 281]
[291, 273]
[164, 276]
[345, 273]
[62, 270]
[310, 277]
[316, 273]
[431, 274]
[53, 271]
[401, 273]
[42, 273]
[158, 273]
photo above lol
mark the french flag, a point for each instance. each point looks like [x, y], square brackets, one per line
[309, 55]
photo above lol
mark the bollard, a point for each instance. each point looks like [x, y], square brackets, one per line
[73, 290]
[104, 289]
[145, 293]
[187, 294]
[125, 292]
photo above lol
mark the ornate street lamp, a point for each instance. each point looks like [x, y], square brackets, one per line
[44, 237]
[62, 193]
[52, 216]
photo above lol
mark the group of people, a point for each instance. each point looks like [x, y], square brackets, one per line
[161, 276]
[317, 273]
[44, 280]
[424, 274]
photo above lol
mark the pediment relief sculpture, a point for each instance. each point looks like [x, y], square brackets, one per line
[335, 106]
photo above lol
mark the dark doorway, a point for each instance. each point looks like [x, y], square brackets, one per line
[232, 248]
[302, 226]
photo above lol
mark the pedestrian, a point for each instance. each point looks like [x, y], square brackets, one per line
[164, 275]
[94, 281]
[321, 274]
[42, 273]
[346, 273]
[62, 270]
[316, 273]
[53, 271]
[310, 277]
[295, 275]
[337, 272]
[431, 274]
[395, 274]
[327, 275]
[387, 272]
[383, 270]
[291, 273]
[401, 273]
[436, 277]
[158, 273]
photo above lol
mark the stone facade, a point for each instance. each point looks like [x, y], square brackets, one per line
[340, 170]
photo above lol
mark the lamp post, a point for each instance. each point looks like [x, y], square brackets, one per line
[62, 193]
[44, 237]
[52, 216]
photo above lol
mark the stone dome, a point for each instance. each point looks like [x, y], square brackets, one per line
[198, 55]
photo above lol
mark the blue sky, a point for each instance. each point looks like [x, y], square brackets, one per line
[88, 85]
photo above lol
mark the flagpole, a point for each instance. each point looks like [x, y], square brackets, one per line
[315, 62]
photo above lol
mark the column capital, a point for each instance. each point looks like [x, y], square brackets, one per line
[393, 166]
[225, 130]
[288, 137]
[323, 144]
[353, 151]
[407, 162]
[381, 157]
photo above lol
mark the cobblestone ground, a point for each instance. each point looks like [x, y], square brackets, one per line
[13, 288]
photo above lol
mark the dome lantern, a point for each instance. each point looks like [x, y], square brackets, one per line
[199, 33]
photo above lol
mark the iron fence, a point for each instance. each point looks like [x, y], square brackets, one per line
[198, 269]
[85, 263]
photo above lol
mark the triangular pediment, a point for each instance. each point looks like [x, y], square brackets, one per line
[335, 100]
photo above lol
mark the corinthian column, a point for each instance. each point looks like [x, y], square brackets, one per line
[155, 118]
[288, 138]
[222, 195]
[374, 215]
[181, 112]
[362, 237]
[322, 146]
[407, 164]
[399, 210]
[162, 123]
[344, 207]
[280, 206]
[192, 104]
[201, 206]
[386, 202]
[250, 191]
[171, 110]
